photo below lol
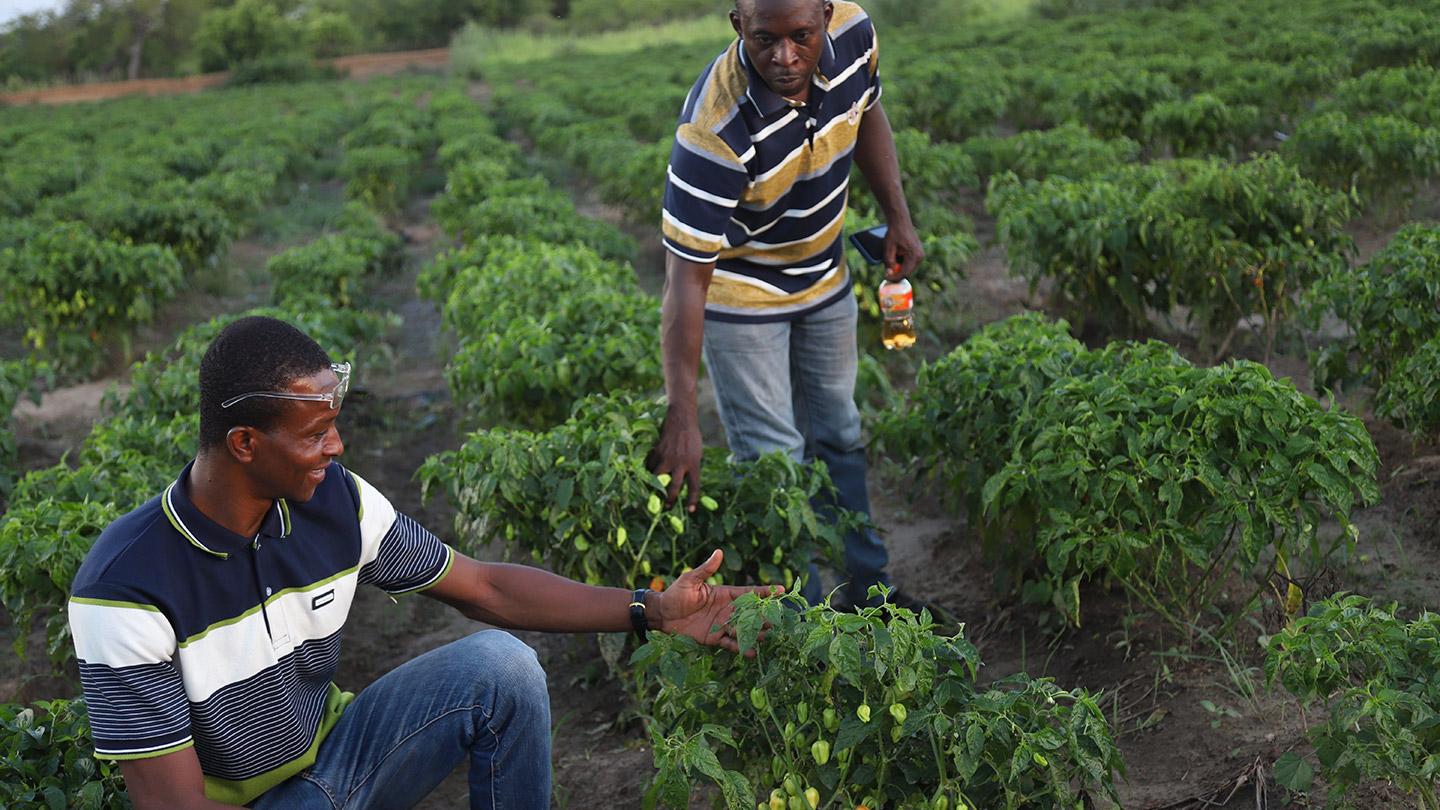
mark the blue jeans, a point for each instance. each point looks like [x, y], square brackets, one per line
[791, 386]
[482, 698]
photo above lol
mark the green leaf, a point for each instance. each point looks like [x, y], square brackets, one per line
[1293, 773]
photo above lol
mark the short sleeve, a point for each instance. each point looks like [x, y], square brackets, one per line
[397, 554]
[874, 70]
[133, 692]
[703, 185]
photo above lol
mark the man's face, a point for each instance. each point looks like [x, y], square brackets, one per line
[784, 39]
[291, 458]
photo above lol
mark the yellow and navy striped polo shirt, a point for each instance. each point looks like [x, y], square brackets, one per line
[188, 634]
[758, 185]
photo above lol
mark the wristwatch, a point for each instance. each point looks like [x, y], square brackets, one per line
[638, 619]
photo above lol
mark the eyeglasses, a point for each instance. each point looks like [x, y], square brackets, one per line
[334, 396]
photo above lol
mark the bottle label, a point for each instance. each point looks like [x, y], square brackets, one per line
[897, 302]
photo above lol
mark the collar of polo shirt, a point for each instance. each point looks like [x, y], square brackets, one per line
[209, 536]
[769, 102]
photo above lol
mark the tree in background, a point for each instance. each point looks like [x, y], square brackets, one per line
[245, 32]
[331, 33]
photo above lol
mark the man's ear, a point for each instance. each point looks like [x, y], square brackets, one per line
[735, 23]
[829, 13]
[240, 442]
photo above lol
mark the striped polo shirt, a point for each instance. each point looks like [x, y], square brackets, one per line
[758, 184]
[191, 635]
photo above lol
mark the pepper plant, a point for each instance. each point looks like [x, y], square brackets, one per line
[50, 761]
[1390, 305]
[578, 499]
[1225, 241]
[1373, 673]
[1131, 465]
[73, 292]
[524, 358]
[873, 709]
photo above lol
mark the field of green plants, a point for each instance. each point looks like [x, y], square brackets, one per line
[1167, 446]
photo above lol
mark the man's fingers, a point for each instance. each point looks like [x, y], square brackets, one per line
[672, 491]
[692, 484]
[708, 568]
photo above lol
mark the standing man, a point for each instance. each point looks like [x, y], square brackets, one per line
[755, 204]
[207, 622]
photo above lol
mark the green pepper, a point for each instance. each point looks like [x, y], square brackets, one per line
[757, 698]
[792, 784]
[677, 524]
[863, 712]
[777, 800]
[940, 803]
[802, 711]
[830, 719]
[895, 733]
[796, 803]
[709, 503]
[790, 731]
[897, 711]
[653, 505]
[820, 750]
[812, 797]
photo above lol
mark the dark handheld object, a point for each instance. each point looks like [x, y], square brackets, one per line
[871, 243]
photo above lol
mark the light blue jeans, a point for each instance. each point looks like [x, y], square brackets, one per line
[791, 386]
[482, 698]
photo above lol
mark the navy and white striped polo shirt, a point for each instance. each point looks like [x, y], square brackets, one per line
[758, 185]
[189, 634]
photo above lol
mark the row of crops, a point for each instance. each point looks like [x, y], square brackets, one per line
[141, 194]
[1127, 185]
[1189, 173]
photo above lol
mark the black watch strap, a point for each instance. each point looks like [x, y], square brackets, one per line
[638, 619]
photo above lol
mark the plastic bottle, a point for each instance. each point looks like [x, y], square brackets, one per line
[897, 303]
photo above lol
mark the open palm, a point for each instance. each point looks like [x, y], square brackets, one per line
[693, 608]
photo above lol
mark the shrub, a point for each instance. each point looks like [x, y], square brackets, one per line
[1111, 103]
[17, 378]
[1412, 397]
[874, 709]
[326, 268]
[1383, 157]
[73, 292]
[50, 760]
[1069, 150]
[1226, 241]
[531, 209]
[1201, 125]
[545, 326]
[163, 213]
[331, 33]
[579, 499]
[1388, 305]
[1130, 464]
[379, 176]
[1373, 673]
[248, 30]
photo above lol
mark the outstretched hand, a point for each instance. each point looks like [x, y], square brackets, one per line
[693, 608]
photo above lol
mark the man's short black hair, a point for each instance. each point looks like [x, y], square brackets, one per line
[748, 6]
[252, 354]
